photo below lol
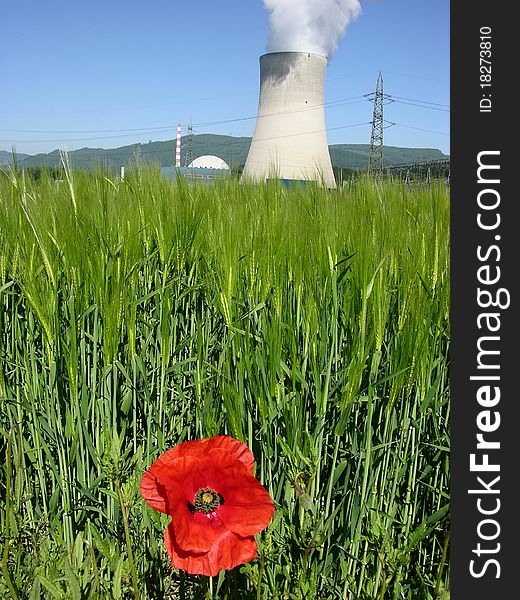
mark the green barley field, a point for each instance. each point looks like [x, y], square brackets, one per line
[310, 324]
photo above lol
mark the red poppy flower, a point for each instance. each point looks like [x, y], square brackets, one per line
[216, 504]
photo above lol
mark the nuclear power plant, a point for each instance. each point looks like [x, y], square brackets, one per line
[290, 139]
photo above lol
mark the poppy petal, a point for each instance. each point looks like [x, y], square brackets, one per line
[228, 552]
[196, 532]
[168, 482]
[248, 508]
[234, 449]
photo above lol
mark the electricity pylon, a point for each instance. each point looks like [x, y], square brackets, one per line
[375, 157]
[188, 157]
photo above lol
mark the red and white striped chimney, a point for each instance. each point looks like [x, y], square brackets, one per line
[178, 148]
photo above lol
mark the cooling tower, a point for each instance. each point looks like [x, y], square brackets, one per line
[290, 141]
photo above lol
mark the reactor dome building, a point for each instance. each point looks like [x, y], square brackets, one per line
[290, 138]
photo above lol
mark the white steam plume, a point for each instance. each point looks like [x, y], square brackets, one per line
[309, 25]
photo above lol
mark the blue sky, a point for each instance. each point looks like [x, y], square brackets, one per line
[107, 74]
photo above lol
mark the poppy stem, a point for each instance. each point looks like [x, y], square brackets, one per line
[183, 586]
[260, 575]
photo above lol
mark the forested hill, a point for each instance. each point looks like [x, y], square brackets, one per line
[231, 149]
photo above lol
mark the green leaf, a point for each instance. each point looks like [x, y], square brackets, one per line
[54, 590]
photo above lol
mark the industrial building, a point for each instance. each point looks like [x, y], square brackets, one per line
[290, 138]
[209, 161]
[205, 168]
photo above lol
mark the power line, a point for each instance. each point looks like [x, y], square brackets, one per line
[145, 129]
[89, 139]
[121, 133]
[391, 123]
[166, 128]
[163, 128]
[139, 107]
[415, 100]
[277, 137]
[144, 152]
[422, 106]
